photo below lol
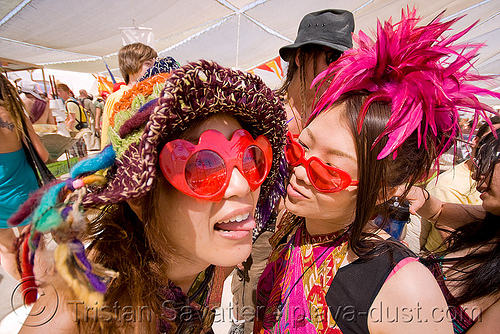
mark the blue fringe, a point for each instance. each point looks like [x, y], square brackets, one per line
[103, 160]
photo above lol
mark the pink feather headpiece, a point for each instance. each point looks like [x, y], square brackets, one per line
[424, 77]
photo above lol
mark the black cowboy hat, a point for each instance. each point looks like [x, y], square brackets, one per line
[332, 28]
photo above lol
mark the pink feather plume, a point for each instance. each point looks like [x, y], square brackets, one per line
[427, 79]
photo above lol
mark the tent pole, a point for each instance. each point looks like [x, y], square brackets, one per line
[238, 41]
[44, 83]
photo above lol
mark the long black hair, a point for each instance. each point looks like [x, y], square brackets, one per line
[477, 274]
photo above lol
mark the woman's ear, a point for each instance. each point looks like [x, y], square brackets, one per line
[297, 57]
[135, 205]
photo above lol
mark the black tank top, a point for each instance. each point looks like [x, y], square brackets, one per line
[356, 285]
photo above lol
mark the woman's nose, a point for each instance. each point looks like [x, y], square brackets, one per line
[238, 185]
[301, 174]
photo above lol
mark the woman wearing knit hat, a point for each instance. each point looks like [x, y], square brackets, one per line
[194, 169]
[390, 108]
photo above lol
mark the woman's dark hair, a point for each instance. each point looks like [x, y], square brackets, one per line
[377, 177]
[486, 157]
[485, 126]
[478, 272]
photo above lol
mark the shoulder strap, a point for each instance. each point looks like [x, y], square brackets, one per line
[83, 117]
[42, 173]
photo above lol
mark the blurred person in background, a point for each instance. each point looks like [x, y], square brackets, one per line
[133, 60]
[37, 106]
[99, 108]
[93, 140]
[76, 120]
[456, 185]
[321, 38]
[17, 178]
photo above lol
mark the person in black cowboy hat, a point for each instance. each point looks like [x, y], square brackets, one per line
[322, 37]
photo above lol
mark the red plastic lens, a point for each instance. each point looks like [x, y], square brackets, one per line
[293, 153]
[254, 164]
[323, 178]
[205, 172]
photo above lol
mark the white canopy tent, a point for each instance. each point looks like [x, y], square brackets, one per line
[81, 36]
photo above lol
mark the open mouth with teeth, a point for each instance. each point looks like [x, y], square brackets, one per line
[237, 227]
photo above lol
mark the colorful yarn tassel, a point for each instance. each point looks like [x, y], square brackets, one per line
[78, 250]
[103, 160]
[28, 284]
[64, 260]
[46, 216]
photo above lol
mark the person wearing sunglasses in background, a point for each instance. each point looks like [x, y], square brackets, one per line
[322, 36]
[467, 269]
[455, 185]
[190, 175]
[332, 270]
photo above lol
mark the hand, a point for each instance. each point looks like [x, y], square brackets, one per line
[416, 196]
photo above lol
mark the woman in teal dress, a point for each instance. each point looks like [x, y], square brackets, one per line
[17, 179]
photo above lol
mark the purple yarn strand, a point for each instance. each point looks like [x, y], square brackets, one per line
[79, 252]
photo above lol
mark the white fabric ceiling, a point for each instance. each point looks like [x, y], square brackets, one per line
[78, 35]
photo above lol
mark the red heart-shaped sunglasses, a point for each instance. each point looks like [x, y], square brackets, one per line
[203, 171]
[324, 178]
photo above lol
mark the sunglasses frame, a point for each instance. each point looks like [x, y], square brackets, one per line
[345, 178]
[176, 153]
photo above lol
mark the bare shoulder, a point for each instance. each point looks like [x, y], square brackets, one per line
[410, 301]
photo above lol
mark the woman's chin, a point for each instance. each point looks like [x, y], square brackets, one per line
[234, 257]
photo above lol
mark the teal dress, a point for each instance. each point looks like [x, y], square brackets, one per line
[17, 181]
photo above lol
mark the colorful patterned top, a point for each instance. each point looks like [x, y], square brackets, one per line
[304, 290]
[293, 287]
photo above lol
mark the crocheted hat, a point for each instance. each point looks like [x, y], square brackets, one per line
[155, 111]
[193, 93]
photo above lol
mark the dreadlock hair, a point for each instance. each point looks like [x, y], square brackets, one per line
[306, 52]
[11, 101]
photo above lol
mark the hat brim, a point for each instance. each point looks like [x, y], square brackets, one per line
[34, 94]
[288, 51]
